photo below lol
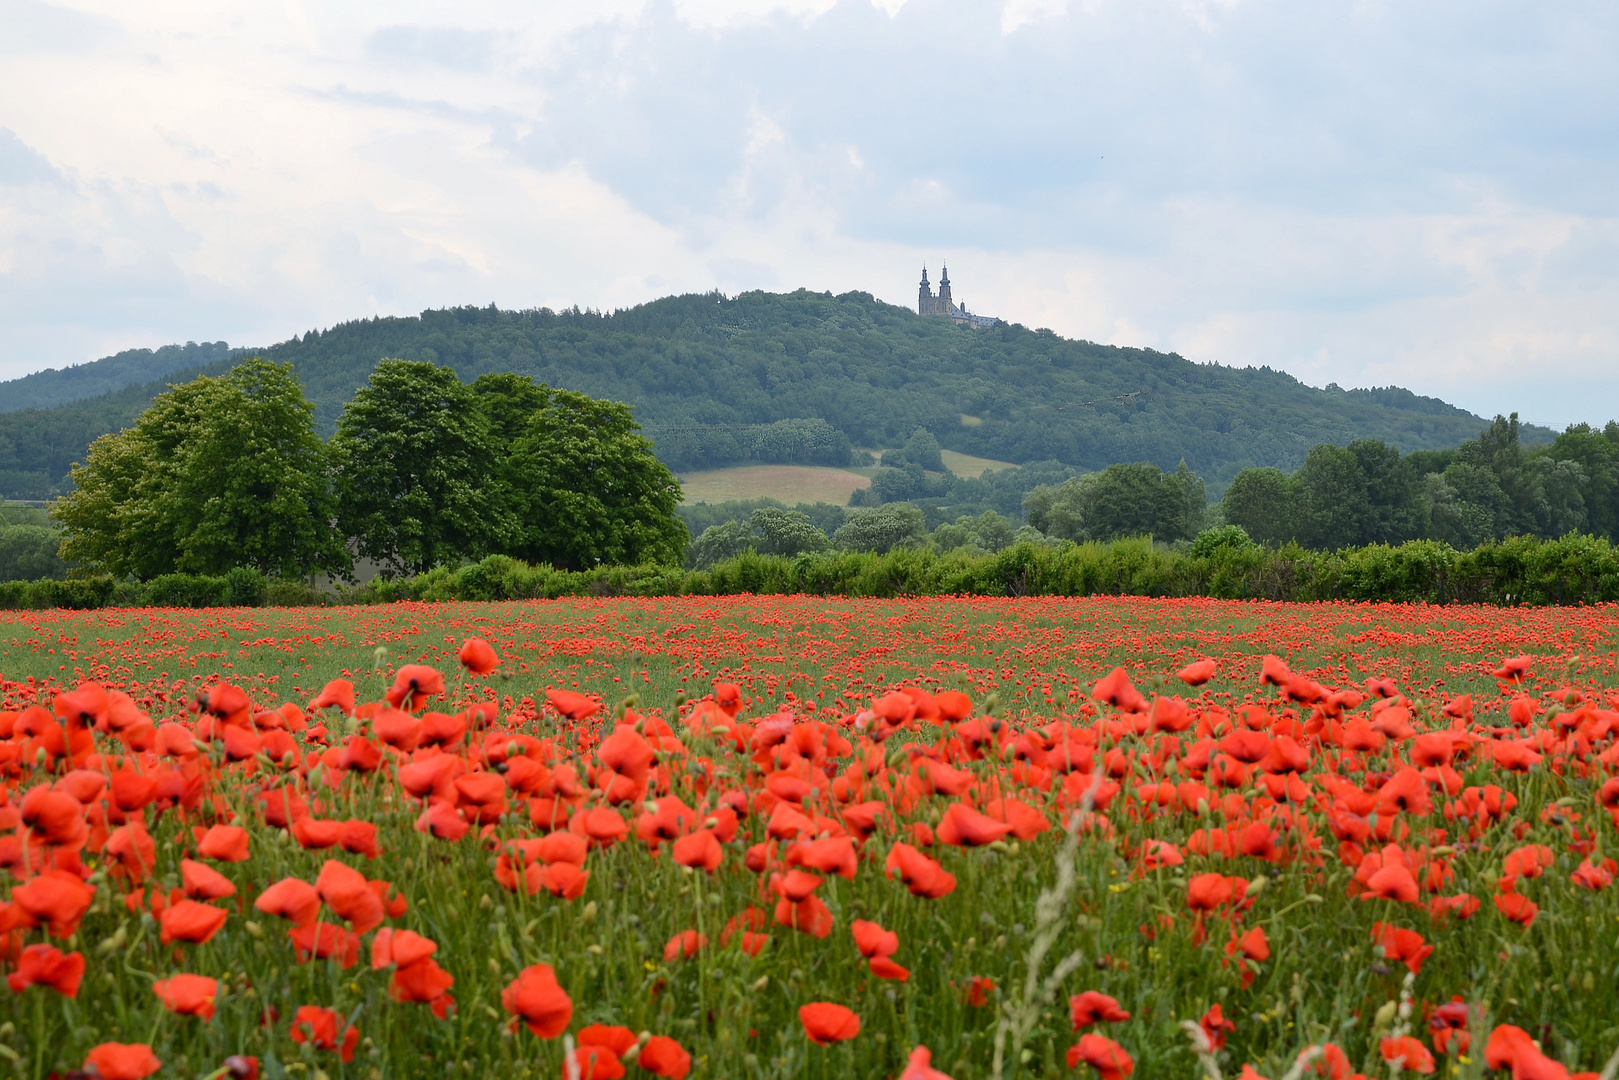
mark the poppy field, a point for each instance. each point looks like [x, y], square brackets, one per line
[799, 837]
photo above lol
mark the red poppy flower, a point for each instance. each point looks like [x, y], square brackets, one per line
[224, 843]
[535, 998]
[52, 817]
[573, 706]
[188, 995]
[1216, 1026]
[1517, 907]
[190, 921]
[324, 941]
[56, 898]
[1408, 1054]
[1094, 1007]
[962, 826]
[1251, 943]
[922, 875]
[565, 880]
[663, 1056]
[1406, 946]
[1115, 689]
[46, 965]
[401, 947]
[872, 940]
[979, 987]
[1197, 672]
[827, 1022]
[919, 1066]
[423, 981]
[338, 692]
[1205, 892]
[953, 705]
[1406, 791]
[478, 656]
[413, 685]
[317, 1026]
[829, 855]
[684, 946]
[290, 898]
[700, 850]
[202, 882]
[122, 1061]
[1449, 1024]
[1595, 876]
[1104, 1055]
[1392, 880]
[884, 967]
[1513, 668]
[347, 892]
[593, 1063]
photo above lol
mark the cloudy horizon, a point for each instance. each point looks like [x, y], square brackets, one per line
[1357, 193]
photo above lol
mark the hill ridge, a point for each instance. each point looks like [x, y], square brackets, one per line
[700, 366]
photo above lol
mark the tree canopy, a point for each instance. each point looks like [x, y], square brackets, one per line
[585, 485]
[1489, 488]
[416, 474]
[1121, 500]
[221, 472]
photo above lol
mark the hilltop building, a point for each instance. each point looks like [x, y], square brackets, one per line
[946, 308]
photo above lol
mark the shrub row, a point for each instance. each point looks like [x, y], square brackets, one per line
[1523, 570]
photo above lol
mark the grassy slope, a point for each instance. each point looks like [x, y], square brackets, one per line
[789, 483]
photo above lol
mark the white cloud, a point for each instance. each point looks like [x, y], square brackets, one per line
[1358, 193]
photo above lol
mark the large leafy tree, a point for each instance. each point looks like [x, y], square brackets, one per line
[580, 478]
[1122, 500]
[416, 472]
[218, 473]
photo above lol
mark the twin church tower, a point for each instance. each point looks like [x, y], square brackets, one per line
[944, 307]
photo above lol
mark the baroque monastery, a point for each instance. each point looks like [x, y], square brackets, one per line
[944, 307]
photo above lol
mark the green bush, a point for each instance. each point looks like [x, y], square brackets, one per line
[188, 591]
[1522, 570]
[283, 592]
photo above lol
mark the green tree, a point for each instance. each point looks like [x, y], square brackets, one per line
[988, 531]
[1335, 498]
[587, 489]
[923, 449]
[218, 473]
[415, 469]
[1597, 454]
[719, 542]
[1122, 500]
[30, 552]
[1265, 503]
[882, 529]
[786, 532]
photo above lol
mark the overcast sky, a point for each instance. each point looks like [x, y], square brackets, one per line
[1423, 194]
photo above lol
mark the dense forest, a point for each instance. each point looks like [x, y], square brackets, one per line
[803, 377]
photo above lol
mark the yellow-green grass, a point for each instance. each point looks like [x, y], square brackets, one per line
[789, 483]
[967, 465]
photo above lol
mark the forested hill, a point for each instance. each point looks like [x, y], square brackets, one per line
[132, 367]
[702, 370]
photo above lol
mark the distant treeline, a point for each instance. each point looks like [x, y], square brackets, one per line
[1221, 564]
[1486, 489]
